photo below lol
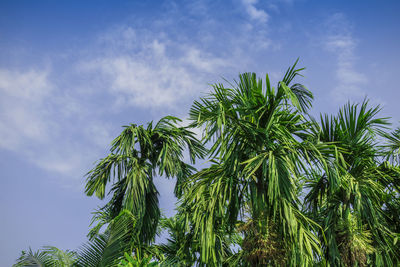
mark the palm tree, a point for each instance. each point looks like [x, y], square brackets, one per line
[391, 207]
[110, 248]
[49, 256]
[258, 158]
[136, 155]
[347, 200]
[280, 189]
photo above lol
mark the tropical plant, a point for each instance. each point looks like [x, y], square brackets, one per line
[102, 250]
[347, 200]
[258, 159]
[279, 189]
[136, 154]
[48, 256]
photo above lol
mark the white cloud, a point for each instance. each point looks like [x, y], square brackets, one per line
[254, 13]
[202, 60]
[52, 160]
[143, 83]
[26, 85]
[341, 42]
[154, 73]
[170, 61]
[22, 101]
[43, 125]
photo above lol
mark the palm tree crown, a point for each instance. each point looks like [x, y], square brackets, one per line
[258, 158]
[136, 154]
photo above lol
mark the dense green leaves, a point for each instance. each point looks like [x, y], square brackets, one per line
[348, 199]
[259, 158]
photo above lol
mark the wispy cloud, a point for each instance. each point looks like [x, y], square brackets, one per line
[22, 109]
[153, 73]
[155, 68]
[42, 124]
[255, 13]
[341, 42]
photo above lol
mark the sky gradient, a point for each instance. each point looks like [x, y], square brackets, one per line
[73, 72]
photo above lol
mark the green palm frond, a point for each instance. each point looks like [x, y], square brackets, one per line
[31, 258]
[347, 194]
[107, 249]
[180, 248]
[49, 256]
[136, 155]
[254, 131]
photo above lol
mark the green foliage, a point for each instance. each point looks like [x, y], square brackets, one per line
[258, 159]
[347, 199]
[280, 189]
[107, 249]
[136, 154]
[180, 248]
[130, 261]
[49, 256]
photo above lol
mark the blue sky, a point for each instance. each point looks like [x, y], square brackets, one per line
[73, 72]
